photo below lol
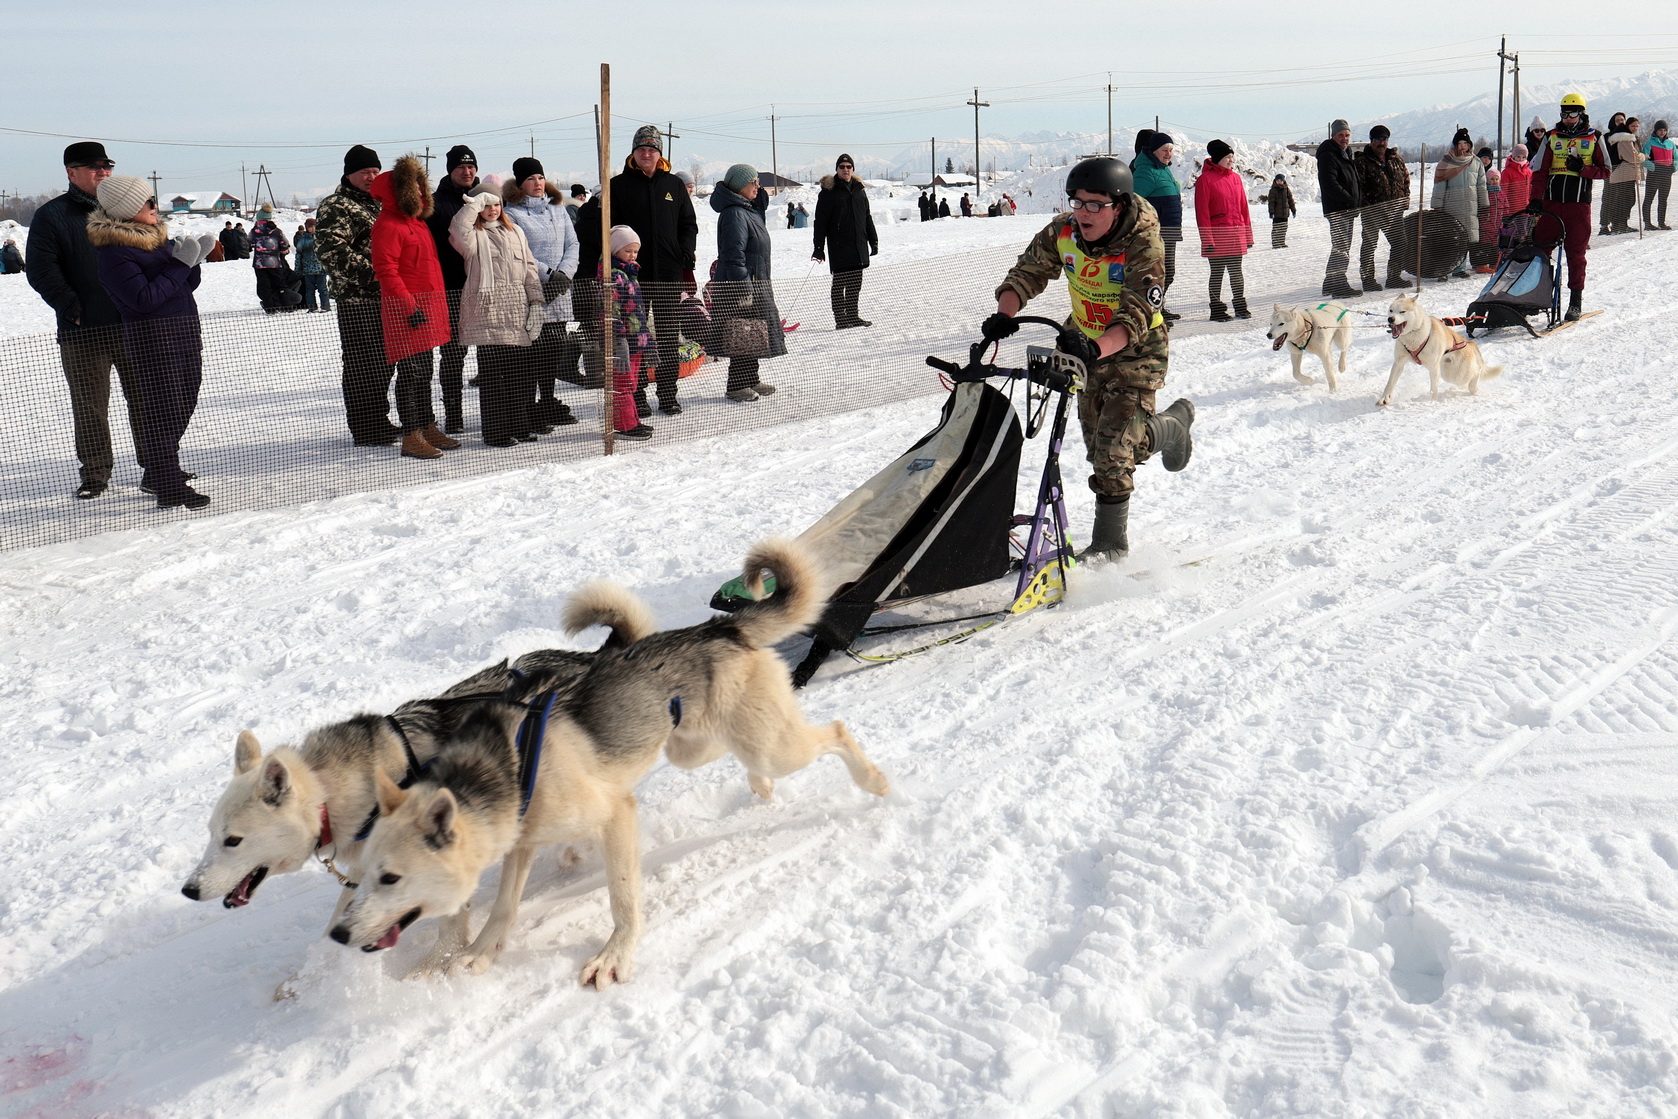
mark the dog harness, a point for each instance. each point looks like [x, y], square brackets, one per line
[1417, 353]
[1311, 326]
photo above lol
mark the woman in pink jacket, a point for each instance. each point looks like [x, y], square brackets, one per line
[1226, 227]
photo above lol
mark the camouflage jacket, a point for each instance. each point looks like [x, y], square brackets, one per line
[1142, 363]
[344, 241]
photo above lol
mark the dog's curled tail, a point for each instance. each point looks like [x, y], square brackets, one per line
[604, 603]
[800, 594]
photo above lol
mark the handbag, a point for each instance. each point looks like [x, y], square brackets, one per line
[746, 338]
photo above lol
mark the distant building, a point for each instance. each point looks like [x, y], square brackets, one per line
[205, 202]
[947, 179]
[776, 182]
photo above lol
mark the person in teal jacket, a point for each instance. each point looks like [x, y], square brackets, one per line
[1151, 170]
[1659, 152]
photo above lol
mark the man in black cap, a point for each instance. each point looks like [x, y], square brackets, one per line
[1385, 184]
[845, 238]
[344, 243]
[64, 269]
[450, 196]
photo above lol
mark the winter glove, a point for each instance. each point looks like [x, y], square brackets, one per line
[1075, 343]
[206, 243]
[556, 285]
[998, 327]
[188, 251]
[1535, 207]
[533, 321]
[873, 250]
[1575, 164]
[818, 255]
[416, 320]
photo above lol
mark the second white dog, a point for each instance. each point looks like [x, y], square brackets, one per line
[1318, 330]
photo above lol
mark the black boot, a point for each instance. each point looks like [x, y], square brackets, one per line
[1169, 436]
[1574, 307]
[1109, 538]
[1220, 313]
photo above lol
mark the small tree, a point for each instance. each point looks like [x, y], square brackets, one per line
[949, 166]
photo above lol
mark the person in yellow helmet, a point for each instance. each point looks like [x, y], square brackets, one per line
[1571, 158]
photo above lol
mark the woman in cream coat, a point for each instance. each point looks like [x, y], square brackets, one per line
[501, 313]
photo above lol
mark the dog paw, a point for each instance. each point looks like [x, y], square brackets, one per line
[875, 782]
[1303, 379]
[1383, 402]
[762, 786]
[605, 969]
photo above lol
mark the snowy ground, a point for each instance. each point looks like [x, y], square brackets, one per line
[1348, 794]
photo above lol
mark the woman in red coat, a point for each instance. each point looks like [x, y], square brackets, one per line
[413, 309]
[1226, 227]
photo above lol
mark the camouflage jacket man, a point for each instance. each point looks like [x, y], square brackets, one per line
[1135, 240]
[1382, 180]
[344, 241]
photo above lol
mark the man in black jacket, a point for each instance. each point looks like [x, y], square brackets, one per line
[446, 202]
[845, 238]
[64, 269]
[653, 202]
[1342, 197]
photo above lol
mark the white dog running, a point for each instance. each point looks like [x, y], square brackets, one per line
[1422, 339]
[1318, 330]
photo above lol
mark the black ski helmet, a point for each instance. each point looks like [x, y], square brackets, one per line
[1100, 175]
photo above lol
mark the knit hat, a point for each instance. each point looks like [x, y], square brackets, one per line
[843, 159]
[1461, 136]
[525, 166]
[1217, 149]
[686, 178]
[738, 176]
[459, 154]
[648, 136]
[1537, 124]
[578, 190]
[623, 237]
[1659, 124]
[1380, 132]
[87, 153]
[121, 196]
[1158, 140]
[360, 158]
[1338, 124]
[1519, 151]
[486, 187]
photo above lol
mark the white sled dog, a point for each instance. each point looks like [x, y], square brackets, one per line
[696, 692]
[1317, 330]
[319, 799]
[1422, 339]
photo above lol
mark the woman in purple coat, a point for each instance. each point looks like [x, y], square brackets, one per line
[151, 280]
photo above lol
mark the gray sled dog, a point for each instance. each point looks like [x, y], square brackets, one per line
[319, 799]
[696, 693]
[1318, 330]
[1421, 339]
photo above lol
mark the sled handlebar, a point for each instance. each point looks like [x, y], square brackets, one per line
[1049, 375]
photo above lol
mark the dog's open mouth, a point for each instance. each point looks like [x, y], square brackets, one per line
[394, 933]
[1280, 340]
[241, 894]
[1397, 329]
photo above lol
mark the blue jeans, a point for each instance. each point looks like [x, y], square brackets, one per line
[315, 285]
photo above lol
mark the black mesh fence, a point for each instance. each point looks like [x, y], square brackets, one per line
[269, 426]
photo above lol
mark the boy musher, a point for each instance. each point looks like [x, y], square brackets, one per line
[1109, 249]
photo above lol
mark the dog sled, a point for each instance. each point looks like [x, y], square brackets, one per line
[939, 519]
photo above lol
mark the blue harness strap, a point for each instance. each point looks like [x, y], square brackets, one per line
[531, 734]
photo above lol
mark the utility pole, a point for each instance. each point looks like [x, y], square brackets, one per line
[978, 187]
[154, 177]
[1515, 119]
[244, 189]
[670, 134]
[427, 158]
[1109, 112]
[935, 173]
[262, 174]
[533, 145]
[774, 155]
[1503, 57]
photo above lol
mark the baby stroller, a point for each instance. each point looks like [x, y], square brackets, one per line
[1528, 277]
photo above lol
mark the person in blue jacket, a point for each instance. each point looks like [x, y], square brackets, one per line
[151, 280]
[1151, 170]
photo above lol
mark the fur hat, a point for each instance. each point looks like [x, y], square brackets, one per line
[360, 158]
[459, 154]
[1338, 124]
[1217, 149]
[526, 166]
[1380, 132]
[738, 176]
[648, 136]
[122, 196]
[623, 237]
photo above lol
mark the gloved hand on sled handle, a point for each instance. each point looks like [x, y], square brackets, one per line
[1575, 164]
[417, 319]
[998, 326]
[1075, 343]
[1535, 207]
[188, 251]
[533, 321]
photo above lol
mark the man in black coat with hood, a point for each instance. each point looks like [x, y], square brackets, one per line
[446, 201]
[64, 269]
[651, 200]
[1337, 177]
[845, 238]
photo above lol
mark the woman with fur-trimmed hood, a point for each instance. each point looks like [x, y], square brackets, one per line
[501, 311]
[413, 308]
[151, 280]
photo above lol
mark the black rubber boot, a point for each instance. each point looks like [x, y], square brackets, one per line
[1575, 307]
[1169, 435]
[1109, 538]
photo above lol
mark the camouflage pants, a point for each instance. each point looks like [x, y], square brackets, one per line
[1114, 416]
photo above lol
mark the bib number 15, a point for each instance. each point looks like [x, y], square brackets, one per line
[1098, 313]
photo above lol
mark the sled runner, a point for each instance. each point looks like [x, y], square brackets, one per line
[939, 519]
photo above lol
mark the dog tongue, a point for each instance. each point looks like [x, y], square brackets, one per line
[1279, 341]
[241, 894]
[389, 939]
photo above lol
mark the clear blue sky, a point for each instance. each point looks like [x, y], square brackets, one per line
[866, 76]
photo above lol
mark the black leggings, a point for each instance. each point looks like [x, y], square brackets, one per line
[1237, 282]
